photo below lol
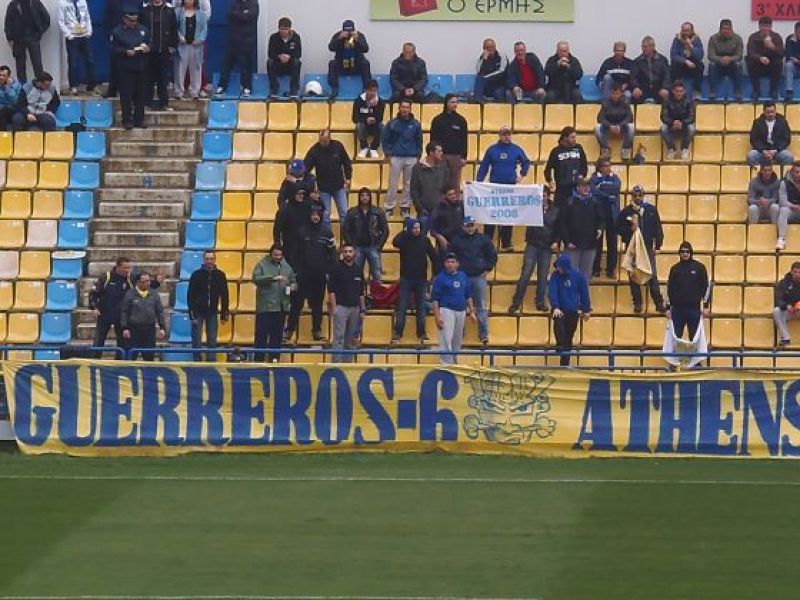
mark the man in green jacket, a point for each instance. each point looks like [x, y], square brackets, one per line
[274, 280]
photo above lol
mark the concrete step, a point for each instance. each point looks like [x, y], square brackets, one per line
[144, 195]
[143, 239]
[160, 134]
[167, 118]
[82, 314]
[138, 165]
[84, 332]
[156, 260]
[147, 179]
[141, 210]
[87, 283]
[103, 224]
[161, 149]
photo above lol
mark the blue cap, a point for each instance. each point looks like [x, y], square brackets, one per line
[297, 167]
[348, 25]
[469, 220]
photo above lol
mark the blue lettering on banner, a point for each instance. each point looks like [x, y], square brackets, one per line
[596, 424]
[373, 407]
[244, 411]
[204, 405]
[32, 424]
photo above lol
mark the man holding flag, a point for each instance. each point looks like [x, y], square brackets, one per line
[687, 289]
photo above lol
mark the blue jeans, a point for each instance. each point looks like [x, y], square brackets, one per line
[693, 78]
[495, 91]
[211, 323]
[479, 292]
[372, 255]
[534, 257]
[685, 316]
[408, 286]
[789, 71]
[340, 197]
[716, 73]
[80, 49]
[784, 157]
[626, 131]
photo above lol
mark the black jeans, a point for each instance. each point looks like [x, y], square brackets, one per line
[240, 51]
[19, 49]
[269, 333]
[611, 240]
[336, 69]
[773, 71]
[311, 289]
[131, 85]
[80, 49]
[159, 70]
[143, 336]
[505, 234]
[418, 287]
[652, 285]
[564, 330]
[685, 317]
[101, 333]
[276, 69]
[538, 258]
[563, 194]
[113, 73]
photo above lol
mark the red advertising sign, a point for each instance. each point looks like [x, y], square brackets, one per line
[779, 10]
[416, 7]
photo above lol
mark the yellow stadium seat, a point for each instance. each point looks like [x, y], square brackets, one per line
[655, 328]
[265, 206]
[735, 179]
[710, 118]
[759, 333]
[586, 116]
[728, 268]
[236, 206]
[259, 235]
[28, 145]
[702, 208]
[21, 174]
[707, 148]
[314, 116]
[253, 116]
[591, 147]
[558, 116]
[247, 296]
[673, 236]
[705, 178]
[761, 268]
[732, 208]
[244, 329]
[496, 116]
[701, 236]
[9, 264]
[29, 295]
[16, 205]
[739, 117]
[59, 145]
[250, 261]
[377, 330]
[53, 175]
[597, 332]
[758, 362]
[278, 146]
[792, 114]
[429, 111]
[727, 300]
[508, 268]
[390, 266]
[652, 146]
[527, 117]
[34, 264]
[731, 237]
[622, 173]
[603, 299]
[12, 233]
[303, 142]
[672, 208]
[484, 142]
[503, 330]
[304, 337]
[529, 142]
[758, 300]
[6, 144]
[246, 145]
[629, 332]
[230, 262]
[472, 113]
[761, 238]
[793, 240]
[240, 176]
[645, 176]
[501, 296]
[726, 333]
[367, 175]
[230, 235]
[785, 263]
[233, 296]
[737, 145]
[23, 328]
[342, 116]
[47, 204]
[6, 298]
[534, 331]
[674, 179]
[648, 117]
[282, 116]
[270, 176]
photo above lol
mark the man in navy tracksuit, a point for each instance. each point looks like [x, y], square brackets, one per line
[500, 163]
[568, 293]
[131, 45]
[606, 186]
[687, 289]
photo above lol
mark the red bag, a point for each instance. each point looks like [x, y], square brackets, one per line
[384, 296]
[409, 8]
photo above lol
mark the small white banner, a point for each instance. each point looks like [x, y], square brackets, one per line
[499, 204]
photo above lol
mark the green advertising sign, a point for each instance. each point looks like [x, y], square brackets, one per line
[473, 10]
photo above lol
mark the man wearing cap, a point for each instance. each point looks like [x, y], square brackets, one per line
[451, 296]
[349, 47]
[582, 225]
[131, 44]
[687, 289]
[297, 178]
[41, 104]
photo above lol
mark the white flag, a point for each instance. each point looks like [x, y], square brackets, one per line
[500, 204]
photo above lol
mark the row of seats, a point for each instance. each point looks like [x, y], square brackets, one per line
[66, 234]
[46, 204]
[94, 114]
[49, 327]
[41, 264]
[53, 145]
[49, 175]
[38, 295]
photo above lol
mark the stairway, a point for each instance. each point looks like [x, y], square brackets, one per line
[144, 201]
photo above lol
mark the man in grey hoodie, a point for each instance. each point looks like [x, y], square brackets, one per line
[429, 178]
[789, 199]
[762, 195]
[142, 316]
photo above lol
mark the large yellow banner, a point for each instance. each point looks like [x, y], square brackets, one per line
[124, 409]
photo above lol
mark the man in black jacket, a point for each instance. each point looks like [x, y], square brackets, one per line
[677, 120]
[241, 45]
[450, 129]
[564, 73]
[349, 47]
[296, 179]
[284, 51]
[331, 163]
[770, 137]
[368, 111]
[160, 20]
[112, 16]
[131, 44]
[650, 76]
[25, 24]
[490, 79]
[582, 224]
[565, 165]
[787, 297]
[687, 288]
[447, 219]
[615, 118]
[288, 221]
[207, 298]
[408, 75]
[366, 229]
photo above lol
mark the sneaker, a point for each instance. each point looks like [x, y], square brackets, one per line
[219, 91]
[424, 339]
[389, 212]
[363, 153]
[541, 307]
[127, 126]
[610, 274]
[395, 339]
[246, 93]
[514, 310]
[712, 97]
[73, 91]
[288, 335]
[637, 308]
[685, 154]
[507, 249]
[317, 336]
[780, 244]
[203, 94]
[596, 273]
[661, 309]
[485, 341]
[374, 154]
[626, 153]
[334, 93]
[788, 95]
[783, 343]
[605, 153]
[405, 213]
[670, 154]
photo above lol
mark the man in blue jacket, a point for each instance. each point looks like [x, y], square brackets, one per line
[450, 295]
[686, 55]
[402, 145]
[606, 186]
[568, 293]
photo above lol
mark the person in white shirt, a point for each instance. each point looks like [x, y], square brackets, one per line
[76, 25]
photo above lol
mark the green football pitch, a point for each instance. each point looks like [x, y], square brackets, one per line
[397, 526]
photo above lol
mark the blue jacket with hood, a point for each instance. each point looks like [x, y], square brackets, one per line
[568, 291]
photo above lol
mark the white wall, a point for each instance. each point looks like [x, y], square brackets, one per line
[53, 53]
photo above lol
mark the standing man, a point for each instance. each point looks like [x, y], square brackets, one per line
[477, 256]
[208, 301]
[112, 16]
[283, 57]
[500, 162]
[11, 94]
[606, 186]
[447, 219]
[331, 163]
[131, 44]
[677, 118]
[366, 229]
[725, 54]
[787, 297]
[40, 105]
[687, 289]
[160, 20]
[450, 129]
[349, 47]
[490, 79]
[765, 58]
[25, 24]
[616, 69]
[76, 25]
[770, 138]
[275, 281]
[582, 225]
[762, 195]
[686, 54]
[297, 178]
[525, 76]
[368, 111]
[650, 77]
[789, 200]
[564, 73]
[345, 302]
[142, 316]
[452, 303]
[615, 119]
[642, 215]
[568, 293]
[429, 179]
[291, 217]
[565, 165]
[408, 75]
[241, 45]
[402, 146]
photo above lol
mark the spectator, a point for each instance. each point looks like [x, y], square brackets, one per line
[564, 73]
[368, 111]
[428, 182]
[12, 97]
[451, 296]
[792, 51]
[192, 33]
[606, 186]
[297, 178]
[365, 228]
[787, 297]
[615, 118]
[345, 302]
[408, 75]
[770, 137]
[789, 201]
[650, 78]
[500, 163]
[447, 219]
[725, 54]
[284, 51]
[75, 23]
[402, 145]
[160, 19]
[25, 24]
[490, 79]
[112, 16]
[540, 243]
[142, 317]
[687, 288]
[568, 293]
[415, 251]
[241, 46]
[677, 121]
[565, 164]
[642, 215]
[582, 225]
[525, 76]
[477, 256]
[765, 58]
[275, 281]
[762, 195]
[315, 257]
[349, 47]
[686, 55]
[450, 129]
[41, 104]
[289, 219]
[615, 69]
[208, 302]
[130, 42]
[331, 163]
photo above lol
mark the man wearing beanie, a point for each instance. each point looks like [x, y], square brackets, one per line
[450, 129]
[687, 289]
[349, 47]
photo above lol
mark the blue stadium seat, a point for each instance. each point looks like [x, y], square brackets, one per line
[68, 112]
[465, 85]
[350, 87]
[181, 296]
[73, 234]
[384, 86]
[178, 356]
[234, 89]
[61, 295]
[440, 84]
[67, 265]
[56, 328]
[206, 206]
[260, 89]
[191, 260]
[200, 235]
[323, 81]
[84, 175]
[99, 114]
[78, 204]
[223, 115]
[210, 176]
[180, 328]
[46, 355]
[91, 145]
[217, 145]
[589, 89]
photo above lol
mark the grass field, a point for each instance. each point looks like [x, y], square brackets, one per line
[431, 526]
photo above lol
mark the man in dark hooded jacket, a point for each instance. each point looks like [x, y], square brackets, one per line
[408, 75]
[288, 222]
[366, 228]
[687, 289]
[564, 73]
[450, 129]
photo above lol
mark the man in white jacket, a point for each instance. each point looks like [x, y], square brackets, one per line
[76, 25]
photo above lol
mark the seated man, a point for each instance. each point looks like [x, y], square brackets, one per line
[408, 75]
[789, 201]
[787, 295]
[765, 58]
[284, 51]
[792, 57]
[368, 111]
[677, 120]
[762, 196]
[686, 55]
[564, 73]
[349, 47]
[615, 118]
[650, 77]
[725, 54]
[10, 95]
[615, 69]
[525, 77]
[490, 79]
[770, 138]
[38, 109]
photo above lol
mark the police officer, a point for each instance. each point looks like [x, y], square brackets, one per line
[130, 43]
